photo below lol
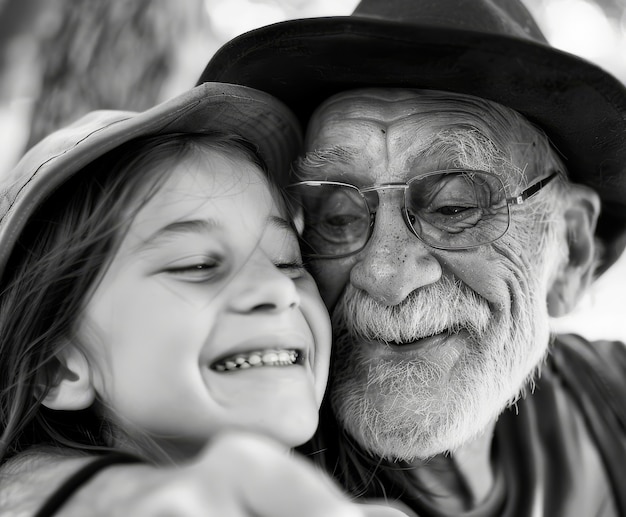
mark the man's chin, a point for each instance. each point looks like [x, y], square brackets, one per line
[414, 402]
[414, 440]
[404, 436]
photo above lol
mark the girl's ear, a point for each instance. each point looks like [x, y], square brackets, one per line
[73, 389]
[577, 272]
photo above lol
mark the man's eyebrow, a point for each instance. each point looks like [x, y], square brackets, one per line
[308, 165]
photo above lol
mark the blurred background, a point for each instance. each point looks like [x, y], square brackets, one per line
[62, 58]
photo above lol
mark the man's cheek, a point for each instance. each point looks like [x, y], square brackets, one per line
[331, 277]
[483, 270]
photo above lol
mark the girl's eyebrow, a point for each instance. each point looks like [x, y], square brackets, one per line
[197, 226]
[179, 228]
[282, 224]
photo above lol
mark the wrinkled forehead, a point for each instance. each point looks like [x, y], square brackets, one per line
[386, 105]
[413, 122]
[359, 111]
[391, 106]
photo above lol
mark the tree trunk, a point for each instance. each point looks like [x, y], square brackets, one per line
[107, 54]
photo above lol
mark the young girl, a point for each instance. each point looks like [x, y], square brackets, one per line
[152, 291]
[152, 295]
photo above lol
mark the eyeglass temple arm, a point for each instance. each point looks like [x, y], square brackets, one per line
[532, 190]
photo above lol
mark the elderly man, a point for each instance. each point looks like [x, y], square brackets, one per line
[438, 226]
[462, 181]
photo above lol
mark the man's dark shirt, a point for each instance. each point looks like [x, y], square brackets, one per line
[560, 451]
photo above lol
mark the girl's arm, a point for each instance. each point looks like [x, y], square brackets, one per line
[237, 475]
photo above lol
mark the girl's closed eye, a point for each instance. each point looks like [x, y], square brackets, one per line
[198, 269]
[293, 269]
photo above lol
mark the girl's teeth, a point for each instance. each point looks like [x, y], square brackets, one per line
[256, 359]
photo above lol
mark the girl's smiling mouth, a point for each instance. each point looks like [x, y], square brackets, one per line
[259, 358]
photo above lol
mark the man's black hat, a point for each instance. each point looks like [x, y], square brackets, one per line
[486, 48]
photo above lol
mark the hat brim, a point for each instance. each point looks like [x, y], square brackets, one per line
[581, 107]
[210, 107]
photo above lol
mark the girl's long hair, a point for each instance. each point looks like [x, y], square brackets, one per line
[59, 258]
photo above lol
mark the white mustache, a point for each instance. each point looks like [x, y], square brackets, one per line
[447, 305]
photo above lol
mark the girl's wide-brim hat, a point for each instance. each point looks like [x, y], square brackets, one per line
[486, 48]
[256, 116]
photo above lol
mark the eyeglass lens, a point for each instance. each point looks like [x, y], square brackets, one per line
[447, 210]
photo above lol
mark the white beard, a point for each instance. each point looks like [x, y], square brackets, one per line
[406, 409]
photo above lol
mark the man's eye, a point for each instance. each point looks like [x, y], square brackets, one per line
[342, 220]
[453, 210]
[452, 218]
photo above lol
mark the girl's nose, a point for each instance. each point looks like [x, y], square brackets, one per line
[265, 288]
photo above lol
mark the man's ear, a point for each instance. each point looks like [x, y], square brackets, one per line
[575, 274]
[73, 389]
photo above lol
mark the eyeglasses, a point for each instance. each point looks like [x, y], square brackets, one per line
[448, 210]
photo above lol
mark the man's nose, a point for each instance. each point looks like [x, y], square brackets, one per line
[395, 262]
[264, 288]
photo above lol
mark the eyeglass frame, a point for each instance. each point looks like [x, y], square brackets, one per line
[518, 199]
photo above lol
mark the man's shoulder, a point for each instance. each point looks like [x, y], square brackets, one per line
[604, 348]
[594, 375]
[597, 365]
